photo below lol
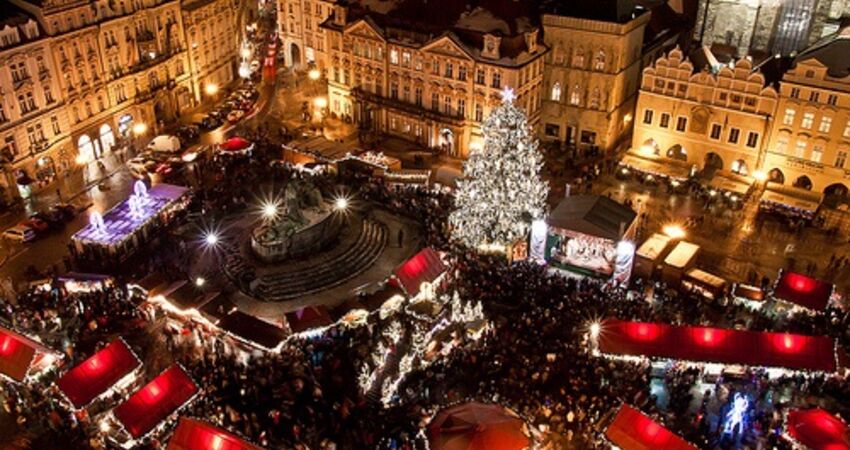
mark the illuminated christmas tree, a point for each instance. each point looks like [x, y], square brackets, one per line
[501, 191]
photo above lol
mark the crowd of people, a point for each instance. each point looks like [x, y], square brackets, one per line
[533, 358]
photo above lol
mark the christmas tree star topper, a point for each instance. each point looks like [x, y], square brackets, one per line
[508, 95]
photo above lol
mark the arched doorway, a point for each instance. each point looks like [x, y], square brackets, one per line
[447, 141]
[835, 194]
[107, 138]
[776, 176]
[651, 147]
[713, 161]
[677, 152]
[86, 149]
[803, 182]
[295, 54]
[739, 166]
[162, 110]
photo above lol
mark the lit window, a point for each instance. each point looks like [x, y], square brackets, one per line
[393, 56]
[825, 124]
[575, 96]
[817, 153]
[556, 92]
[789, 117]
[808, 120]
[801, 148]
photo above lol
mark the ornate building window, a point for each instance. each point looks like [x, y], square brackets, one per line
[594, 98]
[578, 58]
[556, 92]
[575, 95]
[599, 61]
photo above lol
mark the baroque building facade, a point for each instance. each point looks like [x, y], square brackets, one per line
[708, 121]
[810, 143]
[116, 63]
[591, 77]
[431, 88]
[300, 30]
[797, 135]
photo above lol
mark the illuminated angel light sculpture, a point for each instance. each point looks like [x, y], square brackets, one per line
[96, 221]
[737, 416]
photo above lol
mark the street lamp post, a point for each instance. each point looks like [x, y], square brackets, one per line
[139, 130]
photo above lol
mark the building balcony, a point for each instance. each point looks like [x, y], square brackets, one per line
[406, 107]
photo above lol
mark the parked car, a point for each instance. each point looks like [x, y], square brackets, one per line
[246, 105]
[20, 233]
[53, 219]
[209, 122]
[143, 165]
[65, 211]
[40, 226]
[188, 133]
[235, 115]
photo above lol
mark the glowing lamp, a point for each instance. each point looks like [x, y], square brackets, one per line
[760, 176]
[139, 129]
[270, 210]
[314, 74]
[595, 328]
[211, 89]
[320, 102]
[200, 281]
[674, 231]
[211, 239]
[341, 204]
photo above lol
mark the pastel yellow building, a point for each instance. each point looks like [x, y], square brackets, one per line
[706, 121]
[300, 30]
[34, 130]
[432, 83]
[88, 71]
[810, 142]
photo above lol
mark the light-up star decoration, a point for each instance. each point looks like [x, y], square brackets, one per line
[736, 418]
[508, 95]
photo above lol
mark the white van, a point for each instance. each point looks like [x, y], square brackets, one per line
[165, 143]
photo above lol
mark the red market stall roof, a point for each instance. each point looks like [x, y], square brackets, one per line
[817, 429]
[194, 434]
[18, 354]
[308, 318]
[633, 430]
[802, 290]
[235, 144]
[98, 373]
[423, 266]
[717, 345]
[150, 405]
[476, 426]
[252, 330]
